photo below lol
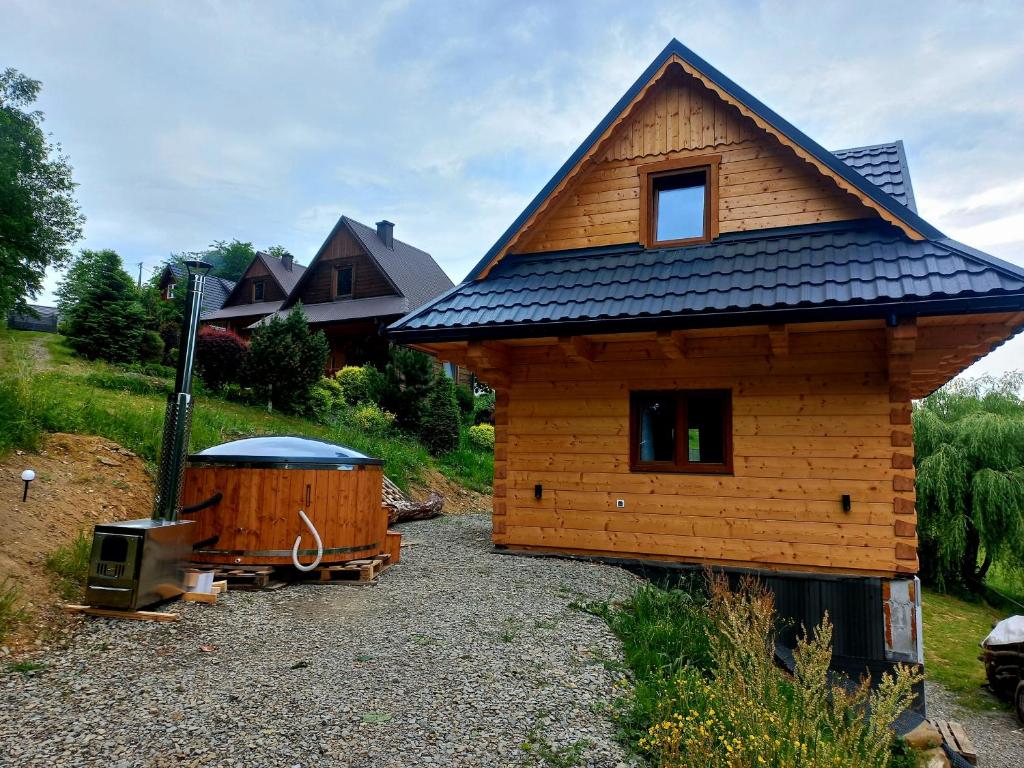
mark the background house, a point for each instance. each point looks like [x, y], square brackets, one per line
[705, 333]
[174, 277]
[261, 290]
[38, 318]
[361, 280]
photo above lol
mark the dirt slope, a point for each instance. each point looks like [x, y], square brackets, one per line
[80, 480]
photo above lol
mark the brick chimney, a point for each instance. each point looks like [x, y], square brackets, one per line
[386, 233]
[288, 260]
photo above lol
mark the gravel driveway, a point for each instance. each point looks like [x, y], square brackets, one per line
[459, 656]
[997, 736]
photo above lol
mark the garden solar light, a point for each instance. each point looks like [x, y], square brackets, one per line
[28, 476]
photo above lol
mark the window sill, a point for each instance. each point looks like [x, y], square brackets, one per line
[672, 469]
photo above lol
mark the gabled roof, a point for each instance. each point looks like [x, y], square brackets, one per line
[815, 272]
[243, 310]
[845, 175]
[412, 273]
[286, 279]
[374, 307]
[215, 293]
[885, 166]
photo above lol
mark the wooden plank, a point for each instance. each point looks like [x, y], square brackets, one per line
[199, 597]
[862, 512]
[718, 549]
[754, 529]
[108, 613]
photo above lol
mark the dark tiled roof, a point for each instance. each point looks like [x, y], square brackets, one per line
[350, 309]
[243, 310]
[829, 269]
[217, 288]
[885, 166]
[286, 278]
[413, 272]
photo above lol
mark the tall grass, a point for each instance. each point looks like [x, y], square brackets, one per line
[127, 407]
[69, 565]
[662, 631]
[707, 691]
[469, 464]
[11, 612]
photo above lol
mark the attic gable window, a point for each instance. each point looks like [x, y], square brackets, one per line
[343, 280]
[257, 290]
[680, 201]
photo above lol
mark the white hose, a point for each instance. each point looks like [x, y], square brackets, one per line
[298, 540]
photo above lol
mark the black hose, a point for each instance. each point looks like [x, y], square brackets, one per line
[205, 543]
[215, 499]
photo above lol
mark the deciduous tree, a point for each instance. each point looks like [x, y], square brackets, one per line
[39, 218]
[969, 445]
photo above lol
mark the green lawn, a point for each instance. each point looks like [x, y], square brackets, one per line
[46, 388]
[952, 630]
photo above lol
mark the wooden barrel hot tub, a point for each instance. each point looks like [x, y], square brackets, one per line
[264, 482]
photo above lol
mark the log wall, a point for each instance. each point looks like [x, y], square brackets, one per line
[813, 419]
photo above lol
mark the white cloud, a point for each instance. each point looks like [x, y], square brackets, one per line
[266, 120]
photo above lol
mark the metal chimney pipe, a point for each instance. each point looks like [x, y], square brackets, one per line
[178, 418]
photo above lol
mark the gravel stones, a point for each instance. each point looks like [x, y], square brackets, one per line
[996, 735]
[459, 656]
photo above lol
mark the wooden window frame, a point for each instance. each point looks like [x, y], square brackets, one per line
[263, 287]
[681, 464]
[650, 172]
[334, 281]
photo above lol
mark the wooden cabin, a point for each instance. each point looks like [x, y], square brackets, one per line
[705, 333]
[361, 280]
[174, 277]
[260, 291]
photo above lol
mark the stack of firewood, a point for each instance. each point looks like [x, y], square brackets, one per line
[401, 508]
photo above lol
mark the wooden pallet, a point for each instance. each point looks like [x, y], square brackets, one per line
[243, 577]
[357, 571]
[955, 737]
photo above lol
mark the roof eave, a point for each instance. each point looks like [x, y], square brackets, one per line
[885, 310]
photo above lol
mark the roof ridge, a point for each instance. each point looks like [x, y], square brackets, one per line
[868, 147]
[374, 231]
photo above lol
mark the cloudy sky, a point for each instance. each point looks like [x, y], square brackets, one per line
[264, 121]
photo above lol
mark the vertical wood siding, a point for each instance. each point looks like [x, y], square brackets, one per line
[344, 250]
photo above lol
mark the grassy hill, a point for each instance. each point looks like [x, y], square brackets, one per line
[44, 388]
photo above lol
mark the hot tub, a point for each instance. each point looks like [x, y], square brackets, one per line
[264, 482]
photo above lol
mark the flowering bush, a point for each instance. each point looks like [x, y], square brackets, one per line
[750, 713]
[373, 419]
[360, 384]
[482, 436]
[325, 400]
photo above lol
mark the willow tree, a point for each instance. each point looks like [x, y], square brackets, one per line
[969, 446]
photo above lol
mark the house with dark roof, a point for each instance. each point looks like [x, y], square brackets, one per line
[175, 277]
[260, 291]
[35, 317]
[360, 280]
[705, 333]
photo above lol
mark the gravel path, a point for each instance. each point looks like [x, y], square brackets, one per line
[997, 736]
[458, 657]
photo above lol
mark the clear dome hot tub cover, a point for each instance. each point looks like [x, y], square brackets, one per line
[280, 450]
